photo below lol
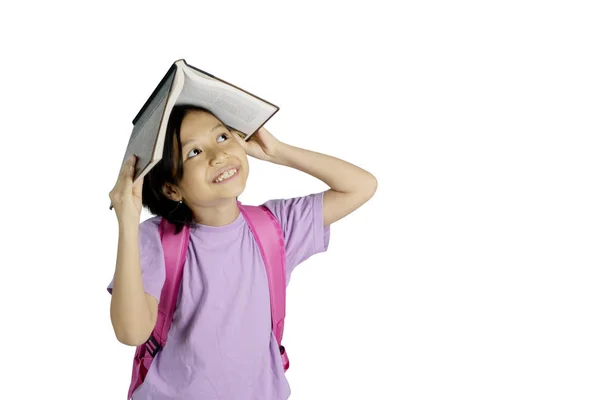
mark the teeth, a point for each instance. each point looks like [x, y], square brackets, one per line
[225, 175]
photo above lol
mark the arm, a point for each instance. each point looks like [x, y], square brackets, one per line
[350, 185]
[133, 313]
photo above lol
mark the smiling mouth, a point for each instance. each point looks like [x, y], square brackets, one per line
[227, 175]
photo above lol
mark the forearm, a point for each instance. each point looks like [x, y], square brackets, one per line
[129, 309]
[339, 175]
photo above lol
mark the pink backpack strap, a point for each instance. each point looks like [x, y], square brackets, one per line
[175, 251]
[269, 236]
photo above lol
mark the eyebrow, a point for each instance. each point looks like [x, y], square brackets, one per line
[211, 131]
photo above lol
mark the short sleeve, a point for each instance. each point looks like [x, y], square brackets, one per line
[304, 232]
[152, 259]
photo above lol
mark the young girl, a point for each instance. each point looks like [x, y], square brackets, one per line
[220, 344]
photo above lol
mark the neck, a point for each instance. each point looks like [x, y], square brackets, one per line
[216, 215]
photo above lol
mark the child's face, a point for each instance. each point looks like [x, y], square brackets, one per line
[215, 166]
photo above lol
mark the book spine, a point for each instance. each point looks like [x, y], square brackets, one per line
[170, 72]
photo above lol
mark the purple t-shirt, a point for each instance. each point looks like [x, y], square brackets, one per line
[220, 345]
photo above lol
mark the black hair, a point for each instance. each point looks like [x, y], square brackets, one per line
[169, 170]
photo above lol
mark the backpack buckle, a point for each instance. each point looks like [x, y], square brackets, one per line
[281, 349]
[153, 346]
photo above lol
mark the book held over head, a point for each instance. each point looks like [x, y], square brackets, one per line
[186, 84]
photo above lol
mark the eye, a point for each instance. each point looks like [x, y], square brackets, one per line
[225, 136]
[192, 151]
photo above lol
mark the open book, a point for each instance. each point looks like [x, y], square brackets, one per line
[185, 84]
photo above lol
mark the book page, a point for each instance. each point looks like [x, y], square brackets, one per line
[234, 107]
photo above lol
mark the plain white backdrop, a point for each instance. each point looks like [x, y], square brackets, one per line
[472, 274]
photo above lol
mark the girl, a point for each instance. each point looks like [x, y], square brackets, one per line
[220, 343]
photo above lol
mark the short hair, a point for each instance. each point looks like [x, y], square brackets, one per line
[169, 170]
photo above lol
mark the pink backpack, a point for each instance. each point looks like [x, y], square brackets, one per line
[267, 233]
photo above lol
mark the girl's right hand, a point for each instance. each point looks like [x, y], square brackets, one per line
[125, 197]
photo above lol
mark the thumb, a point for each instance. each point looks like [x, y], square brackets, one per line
[137, 187]
[129, 173]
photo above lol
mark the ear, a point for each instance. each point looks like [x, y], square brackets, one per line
[171, 192]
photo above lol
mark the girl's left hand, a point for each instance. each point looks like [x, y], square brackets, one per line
[262, 145]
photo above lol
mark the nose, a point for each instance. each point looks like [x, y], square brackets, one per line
[217, 158]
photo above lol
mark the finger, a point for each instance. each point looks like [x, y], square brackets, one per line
[124, 183]
[263, 131]
[239, 138]
[129, 172]
[130, 161]
[126, 167]
[240, 134]
[124, 172]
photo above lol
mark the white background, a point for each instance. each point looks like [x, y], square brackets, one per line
[472, 274]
